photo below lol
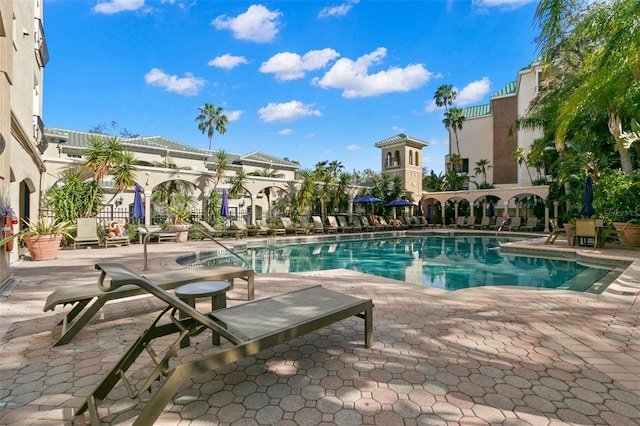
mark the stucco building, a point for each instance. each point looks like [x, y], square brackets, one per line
[23, 56]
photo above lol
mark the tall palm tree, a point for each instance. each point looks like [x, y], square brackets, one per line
[453, 120]
[211, 120]
[222, 160]
[268, 173]
[481, 169]
[444, 96]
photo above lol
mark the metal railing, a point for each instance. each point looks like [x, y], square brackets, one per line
[148, 235]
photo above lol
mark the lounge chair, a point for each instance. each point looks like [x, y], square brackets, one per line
[237, 233]
[366, 226]
[333, 222]
[484, 223]
[514, 223]
[304, 223]
[555, 232]
[116, 240]
[155, 231]
[87, 299]
[289, 228]
[351, 224]
[410, 222]
[253, 232]
[531, 225]
[269, 231]
[499, 221]
[249, 328]
[461, 222]
[320, 228]
[87, 232]
[423, 221]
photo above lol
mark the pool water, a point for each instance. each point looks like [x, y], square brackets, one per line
[445, 262]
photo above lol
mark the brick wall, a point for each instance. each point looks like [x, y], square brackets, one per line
[505, 111]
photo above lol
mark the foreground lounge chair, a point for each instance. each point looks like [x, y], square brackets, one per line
[333, 222]
[87, 299]
[87, 232]
[270, 231]
[555, 232]
[249, 328]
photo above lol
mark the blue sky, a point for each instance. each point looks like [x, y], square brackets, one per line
[307, 80]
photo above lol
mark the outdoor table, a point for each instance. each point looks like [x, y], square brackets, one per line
[217, 290]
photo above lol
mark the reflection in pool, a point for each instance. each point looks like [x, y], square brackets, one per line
[445, 262]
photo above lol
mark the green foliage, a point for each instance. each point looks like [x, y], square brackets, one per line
[43, 226]
[74, 197]
[617, 196]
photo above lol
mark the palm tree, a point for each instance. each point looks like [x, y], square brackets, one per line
[444, 96]
[268, 173]
[453, 120]
[211, 120]
[520, 156]
[106, 156]
[481, 169]
[238, 188]
[222, 160]
[607, 74]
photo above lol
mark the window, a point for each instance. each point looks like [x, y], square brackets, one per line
[410, 157]
[396, 158]
[417, 159]
[388, 160]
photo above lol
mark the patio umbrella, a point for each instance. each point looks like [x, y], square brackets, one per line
[138, 203]
[368, 199]
[224, 207]
[490, 210]
[399, 203]
[587, 198]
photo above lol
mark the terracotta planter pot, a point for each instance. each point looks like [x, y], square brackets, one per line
[180, 236]
[43, 247]
[632, 232]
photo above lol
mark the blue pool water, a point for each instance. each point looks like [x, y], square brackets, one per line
[445, 262]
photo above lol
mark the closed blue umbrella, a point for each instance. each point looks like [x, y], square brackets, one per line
[491, 210]
[224, 207]
[138, 203]
[587, 198]
[420, 208]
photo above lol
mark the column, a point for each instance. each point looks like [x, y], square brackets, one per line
[147, 208]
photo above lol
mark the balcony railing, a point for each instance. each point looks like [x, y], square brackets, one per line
[38, 134]
[42, 51]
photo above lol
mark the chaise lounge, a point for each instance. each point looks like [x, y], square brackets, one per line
[248, 328]
[87, 299]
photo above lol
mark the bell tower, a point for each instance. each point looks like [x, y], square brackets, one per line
[402, 156]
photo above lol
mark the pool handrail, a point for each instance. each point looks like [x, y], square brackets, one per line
[177, 231]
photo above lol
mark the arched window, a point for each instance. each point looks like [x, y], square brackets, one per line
[388, 161]
[417, 159]
[410, 157]
[396, 158]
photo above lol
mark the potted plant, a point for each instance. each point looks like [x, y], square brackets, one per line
[43, 237]
[180, 222]
[617, 200]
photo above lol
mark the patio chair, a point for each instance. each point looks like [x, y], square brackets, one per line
[355, 225]
[262, 224]
[514, 223]
[531, 225]
[585, 229]
[555, 232]
[366, 226]
[304, 223]
[237, 233]
[461, 222]
[484, 223]
[289, 228]
[320, 228]
[87, 232]
[333, 222]
[155, 231]
[253, 232]
[411, 223]
[248, 328]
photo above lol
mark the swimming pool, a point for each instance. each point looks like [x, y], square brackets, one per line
[439, 261]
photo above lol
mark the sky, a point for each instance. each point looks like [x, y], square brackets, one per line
[309, 81]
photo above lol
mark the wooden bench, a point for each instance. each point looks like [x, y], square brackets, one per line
[87, 299]
[248, 328]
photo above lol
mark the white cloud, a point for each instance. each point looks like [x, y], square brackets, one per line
[227, 61]
[473, 92]
[341, 10]
[233, 115]
[114, 6]
[188, 85]
[504, 4]
[353, 78]
[257, 24]
[397, 129]
[285, 132]
[286, 112]
[431, 106]
[291, 66]
[353, 148]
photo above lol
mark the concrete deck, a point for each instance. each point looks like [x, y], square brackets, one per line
[475, 357]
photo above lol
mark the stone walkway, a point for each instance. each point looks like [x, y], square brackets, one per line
[474, 357]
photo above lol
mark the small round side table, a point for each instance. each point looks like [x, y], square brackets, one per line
[217, 290]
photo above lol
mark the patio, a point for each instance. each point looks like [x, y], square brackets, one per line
[477, 356]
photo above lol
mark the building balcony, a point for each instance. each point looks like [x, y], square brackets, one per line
[42, 51]
[38, 134]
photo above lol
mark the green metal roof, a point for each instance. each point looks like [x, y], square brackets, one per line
[401, 137]
[509, 89]
[477, 111]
